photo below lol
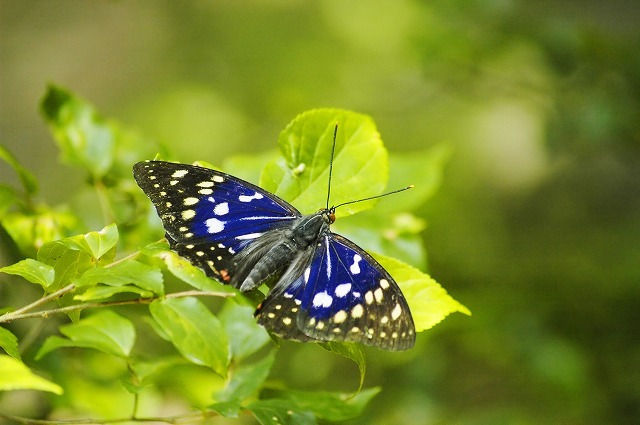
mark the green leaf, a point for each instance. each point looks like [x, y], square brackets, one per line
[331, 406]
[245, 335]
[133, 272]
[103, 292]
[305, 406]
[68, 263]
[429, 302]
[27, 179]
[95, 243]
[244, 382]
[33, 271]
[194, 331]
[9, 343]
[351, 351]
[15, 375]
[105, 331]
[360, 166]
[84, 138]
[280, 412]
[185, 271]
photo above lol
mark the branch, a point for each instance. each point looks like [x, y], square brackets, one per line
[184, 418]
[17, 315]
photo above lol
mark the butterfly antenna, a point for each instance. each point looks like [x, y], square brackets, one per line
[373, 197]
[333, 149]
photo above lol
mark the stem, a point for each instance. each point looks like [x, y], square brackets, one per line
[19, 312]
[184, 418]
[45, 313]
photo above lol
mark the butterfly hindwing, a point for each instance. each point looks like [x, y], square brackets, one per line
[343, 294]
[210, 216]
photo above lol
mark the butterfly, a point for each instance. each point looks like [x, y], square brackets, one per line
[324, 287]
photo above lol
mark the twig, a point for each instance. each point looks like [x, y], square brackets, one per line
[184, 418]
[45, 313]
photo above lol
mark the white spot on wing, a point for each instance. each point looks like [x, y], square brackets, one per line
[342, 289]
[214, 225]
[340, 316]
[322, 299]
[179, 173]
[247, 236]
[355, 267]
[188, 214]
[307, 272]
[397, 310]
[221, 209]
[190, 201]
[249, 198]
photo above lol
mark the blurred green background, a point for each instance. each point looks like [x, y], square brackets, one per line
[536, 227]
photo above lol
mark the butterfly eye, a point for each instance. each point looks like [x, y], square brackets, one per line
[332, 217]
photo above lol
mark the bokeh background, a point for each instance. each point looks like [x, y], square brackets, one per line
[536, 226]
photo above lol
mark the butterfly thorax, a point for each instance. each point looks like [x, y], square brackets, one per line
[274, 252]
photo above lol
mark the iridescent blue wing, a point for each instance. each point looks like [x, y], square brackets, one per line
[210, 216]
[343, 294]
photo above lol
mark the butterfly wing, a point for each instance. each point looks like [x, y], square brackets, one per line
[210, 216]
[343, 294]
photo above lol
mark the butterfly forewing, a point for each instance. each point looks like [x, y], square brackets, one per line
[210, 216]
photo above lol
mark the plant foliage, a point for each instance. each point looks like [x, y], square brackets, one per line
[151, 320]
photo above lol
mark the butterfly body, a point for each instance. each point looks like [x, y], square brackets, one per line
[324, 287]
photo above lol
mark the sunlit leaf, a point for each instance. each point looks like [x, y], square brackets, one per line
[95, 243]
[9, 343]
[15, 375]
[105, 331]
[429, 302]
[360, 166]
[194, 331]
[33, 271]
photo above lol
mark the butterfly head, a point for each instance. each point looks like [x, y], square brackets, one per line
[329, 214]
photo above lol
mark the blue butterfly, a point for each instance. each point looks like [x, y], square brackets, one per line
[323, 286]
